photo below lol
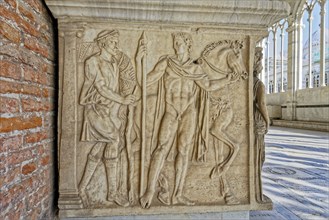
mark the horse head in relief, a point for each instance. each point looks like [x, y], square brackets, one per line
[221, 58]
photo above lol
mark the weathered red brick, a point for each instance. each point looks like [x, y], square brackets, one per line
[49, 121]
[45, 160]
[16, 194]
[19, 123]
[20, 88]
[10, 69]
[34, 75]
[22, 54]
[26, 13]
[12, 3]
[36, 137]
[34, 45]
[9, 105]
[18, 157]
[30, 21]
[47, 92]
[4, 201]
[13, 175]
[10, 144]
[30, 105]
[26, 26]
[35, 214]
[10, 32]
[35, 4]
[3, 163]
[29, 168]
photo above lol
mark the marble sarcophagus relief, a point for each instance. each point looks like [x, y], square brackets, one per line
[155, 117]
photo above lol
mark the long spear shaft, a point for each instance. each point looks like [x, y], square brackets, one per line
[143, 127]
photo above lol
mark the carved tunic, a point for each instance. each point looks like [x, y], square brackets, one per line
[101, 121]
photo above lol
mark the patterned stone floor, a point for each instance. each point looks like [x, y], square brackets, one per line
[296, 175]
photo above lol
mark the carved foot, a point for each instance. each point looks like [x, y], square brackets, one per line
[230, 199]
[118, 199]
[182, 200]
[84, 198]
[146, 200]
[107, 203]
[131, 196]
[164, 198]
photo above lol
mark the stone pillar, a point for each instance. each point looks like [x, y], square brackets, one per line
[299, 72]
[290, 111]
[322, 44]
[262, 76]
[310, 18]
[275, 83]
[268, 66]
[282, 36]
[69, 196]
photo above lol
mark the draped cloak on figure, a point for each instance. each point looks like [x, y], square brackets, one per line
[189, 71]
[100, 123]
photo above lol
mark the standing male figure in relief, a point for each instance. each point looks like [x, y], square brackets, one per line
[102, 100]
[182, 81]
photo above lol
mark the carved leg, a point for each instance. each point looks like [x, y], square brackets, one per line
[111, 161]
[185, 140]
[222, 168]
[91, 165]
[260, 156]
[89, 171]
[130, 155]
[181, 167]
[154, 172]
[166, 137]
[163, 195]
[112, 191]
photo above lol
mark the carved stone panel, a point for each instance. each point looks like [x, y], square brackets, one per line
[156, 117]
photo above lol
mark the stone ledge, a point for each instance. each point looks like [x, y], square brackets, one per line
[237, 13]
[241, 215]
[309, 125]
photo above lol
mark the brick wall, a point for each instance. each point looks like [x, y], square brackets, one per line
[27, 116]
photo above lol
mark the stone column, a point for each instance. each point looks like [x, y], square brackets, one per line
[292, 30]
[310, 18]
[268, 66]
[69, 196]
[262, 76]
[299, 72]
[275, 83]
[322, 44]
[282, 36]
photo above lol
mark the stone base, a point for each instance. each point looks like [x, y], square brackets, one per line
[241, 215]
[198, 212]
[309, 125]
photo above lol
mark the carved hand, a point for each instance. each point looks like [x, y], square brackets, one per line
[129, 100]
[233, 77]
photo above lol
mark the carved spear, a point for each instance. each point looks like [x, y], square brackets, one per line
[143, 40]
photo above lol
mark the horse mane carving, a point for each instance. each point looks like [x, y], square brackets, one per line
[231, 44]
[221, 58]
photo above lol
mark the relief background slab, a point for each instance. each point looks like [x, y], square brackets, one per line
[199, 187]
